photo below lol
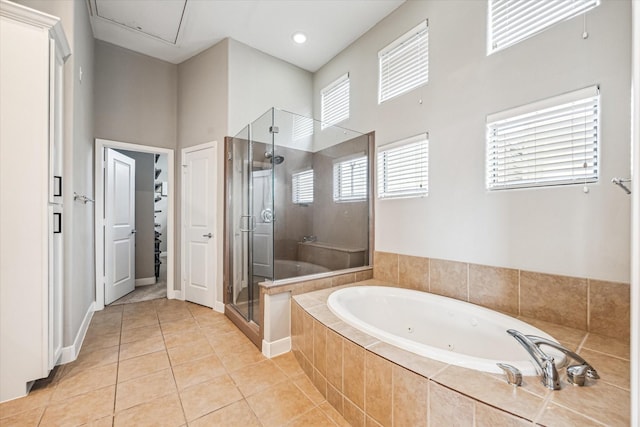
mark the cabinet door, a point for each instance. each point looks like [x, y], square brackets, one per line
[55, 124]
[55, 284]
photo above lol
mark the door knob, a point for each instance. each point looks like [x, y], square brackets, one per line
[209, 235]
[133, 231]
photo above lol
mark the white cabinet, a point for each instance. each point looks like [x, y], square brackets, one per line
[33, 48]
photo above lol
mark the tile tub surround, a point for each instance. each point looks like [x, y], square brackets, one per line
[595, 306]
[373, 383]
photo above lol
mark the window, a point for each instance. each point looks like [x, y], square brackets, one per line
[350, 179]
[302, 127]
[302, 187]
[334, 102]
[511, 21]
[404, 64]
[403, 168]
[550, 142]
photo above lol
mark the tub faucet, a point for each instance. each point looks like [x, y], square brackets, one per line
[309, 238]
[575, 373]
[544, 363]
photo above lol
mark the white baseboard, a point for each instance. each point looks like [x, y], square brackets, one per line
[175, 294]
[145, 281]
[218, 306]
[276, 348]
[70, 353]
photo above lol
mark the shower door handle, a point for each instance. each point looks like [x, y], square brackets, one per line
[250, 228]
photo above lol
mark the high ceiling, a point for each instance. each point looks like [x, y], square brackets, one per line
[176, 30]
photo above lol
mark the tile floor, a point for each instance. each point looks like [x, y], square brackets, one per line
[171, 363]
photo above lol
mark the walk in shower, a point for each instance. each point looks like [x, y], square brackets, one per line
[297, 203]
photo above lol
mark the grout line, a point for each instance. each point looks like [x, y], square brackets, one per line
[543, 407]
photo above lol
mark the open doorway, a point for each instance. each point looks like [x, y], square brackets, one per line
[148, 240]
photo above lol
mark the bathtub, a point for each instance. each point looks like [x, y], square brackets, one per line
[441, 328]
[286, 268]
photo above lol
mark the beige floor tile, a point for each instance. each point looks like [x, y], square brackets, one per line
[137, 334]
[29, 418]
[91, 359]
[257, 377]
[203, 398]
[168, 316]
[187, 353]
[216, 324]
[102, 422]
[85, 380]
[311, 391]
[198, 371]
[144, 389]
[138, 348]
[138, 320]
[289, 365]
[97, 342]
[81, 409]
[35, 399]
[180, 326]
[226, 342]
[183, 338]
[332, 413]
[163, 412]
[139, 307]
[280, 404]
[197, 309]
[143, 365]
[235, 361]
[235, 415]
[313, 418]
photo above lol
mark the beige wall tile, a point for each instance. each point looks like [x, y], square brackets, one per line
[364, 275]
[334, 397]
[378, 388]
[306, 385]
[601, 401]
[557, 415]
[320, 347]
[333, 414]
[448, 278]
[494, 287]
[608, 345]
[487, 416]
[448, 408]
[370, 422]
[334, 359]
[307, 335]
[353, 414]
[492, 390]
[556, 299]
[353, 381]
[385, 266]
[410, 397]
[343, 279]
[320, 383]
[418, 364]
[288, 364]
[610, 308]
[413, 272]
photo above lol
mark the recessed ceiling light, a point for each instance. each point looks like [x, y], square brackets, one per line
[299, 37]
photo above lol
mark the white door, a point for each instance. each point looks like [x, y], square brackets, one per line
[263, 230]
[120, 232]
[199, 216]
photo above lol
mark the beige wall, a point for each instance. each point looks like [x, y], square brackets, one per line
[557, 230]
[136, 97]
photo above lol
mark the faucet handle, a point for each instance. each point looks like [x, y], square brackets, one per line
[576, 374]
[514, 376]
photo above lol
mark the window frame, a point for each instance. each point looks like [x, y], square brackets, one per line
[333, 90]
[361, 196]
[535, 24]
[393, 49]
[420, 181]
[513, 119]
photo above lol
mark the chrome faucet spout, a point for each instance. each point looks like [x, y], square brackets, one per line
[590, 371]
[544, 363]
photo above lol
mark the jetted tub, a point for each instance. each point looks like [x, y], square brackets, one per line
[284, 269]
[445, 329]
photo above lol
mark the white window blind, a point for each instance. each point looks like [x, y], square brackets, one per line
[302, 187]
[550, 142]
[302, 127]
[404, 64]
[334, 102]
[350, 179]
[403, 168]
[511, 21]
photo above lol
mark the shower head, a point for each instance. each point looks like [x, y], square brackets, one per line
[273, 159]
